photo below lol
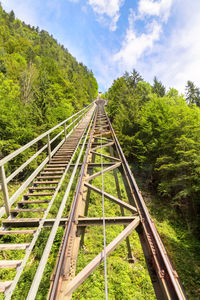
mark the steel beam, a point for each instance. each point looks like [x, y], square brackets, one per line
[82, 275]
[110, 197]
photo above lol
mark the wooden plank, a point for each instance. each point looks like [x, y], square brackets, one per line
[41, 188]
[61, 157]
[4, 285]
[56, 165]
[108, 196]
[59, 162]
[24, 222]
[37, 194]
[51, 173]
[5, 232]
[49, 177]
[17, 211]
[82, 275]
[13, 246]
[54, 169]
[46, 182]
[32, 201]
[9, 264]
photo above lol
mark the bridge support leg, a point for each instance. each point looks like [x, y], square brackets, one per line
[5, 190]
[90, 172]
[131, 258]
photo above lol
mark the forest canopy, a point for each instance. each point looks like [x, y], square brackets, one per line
[41, 83]
[160, 134]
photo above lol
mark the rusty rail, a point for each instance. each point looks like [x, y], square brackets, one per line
[96, 126]
[164, 277]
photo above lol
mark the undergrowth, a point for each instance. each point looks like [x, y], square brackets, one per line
[182, 246]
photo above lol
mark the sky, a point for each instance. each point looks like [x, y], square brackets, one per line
[156, 37]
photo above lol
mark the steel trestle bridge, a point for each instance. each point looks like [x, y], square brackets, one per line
[81, 148]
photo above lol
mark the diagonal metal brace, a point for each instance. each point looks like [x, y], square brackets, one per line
[104, 171]
[114, 199]
[106, 156]
[82, 275]
[103, 145]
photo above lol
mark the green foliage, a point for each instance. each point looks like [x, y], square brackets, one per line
[40, 82]
[158, 88]
[162, 136]
[192, 93]
[182, 247]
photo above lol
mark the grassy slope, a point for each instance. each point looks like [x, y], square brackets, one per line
[183, 248]
[131, 281]
[125, 280]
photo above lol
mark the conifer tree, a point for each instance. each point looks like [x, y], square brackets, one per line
[192, 93]
[158, 88]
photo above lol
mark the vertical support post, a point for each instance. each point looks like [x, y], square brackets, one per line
[90, 171]
[131, 258]
[49, 146]
[73, 122]
[5, 190]
[65, 131]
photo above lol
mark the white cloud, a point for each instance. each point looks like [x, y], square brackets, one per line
[24, 10]
[109, 8]
[176, 58]
[179, 57]
[155, 8]
[134, 46]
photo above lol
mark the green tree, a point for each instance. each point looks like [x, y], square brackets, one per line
[133, 78]
[192, 93]
[158, 88]
[12, 16]
[162, 136]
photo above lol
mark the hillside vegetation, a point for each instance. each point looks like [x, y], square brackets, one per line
[160, 134]
[41, 83]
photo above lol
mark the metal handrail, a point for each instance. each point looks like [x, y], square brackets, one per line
[23, 148]
[5, 180]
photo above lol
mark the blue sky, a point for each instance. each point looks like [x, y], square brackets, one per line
[156, 37]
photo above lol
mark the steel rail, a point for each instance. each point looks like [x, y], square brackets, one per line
[59, 267]
[20, 150]
[10, 290]
[37, 278]
[175, 287]
[104, 223]
[14, 197]
[8, 201]
[20, 169]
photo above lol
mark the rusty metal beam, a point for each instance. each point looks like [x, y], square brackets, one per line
[110, 197]
[104, 171]
[82, 275]
[105, 156]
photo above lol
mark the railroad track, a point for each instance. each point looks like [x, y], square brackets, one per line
[95, 137]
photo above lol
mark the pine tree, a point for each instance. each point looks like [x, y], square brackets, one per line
[192, 93]
[158, 88]
[12, 16]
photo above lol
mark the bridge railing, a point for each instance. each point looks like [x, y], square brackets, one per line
[66, 127]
